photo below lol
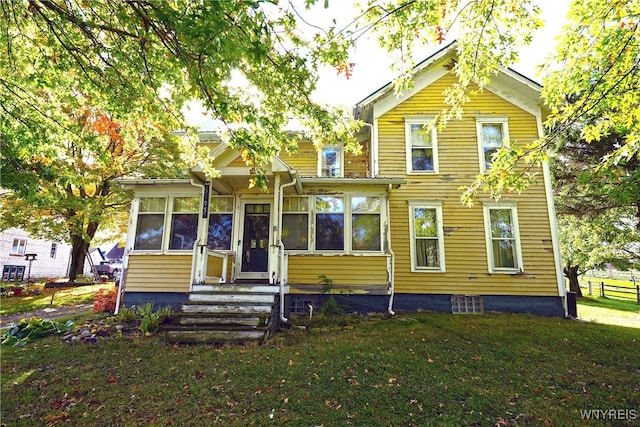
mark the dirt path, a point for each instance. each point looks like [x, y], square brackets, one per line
[47, 313]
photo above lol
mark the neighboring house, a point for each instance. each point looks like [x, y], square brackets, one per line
[387, 227]
[51, 258]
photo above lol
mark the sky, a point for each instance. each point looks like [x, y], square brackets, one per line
[372, 70]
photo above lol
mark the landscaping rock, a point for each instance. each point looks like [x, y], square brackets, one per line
[90, 340]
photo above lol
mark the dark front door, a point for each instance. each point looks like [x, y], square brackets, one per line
[255, 246]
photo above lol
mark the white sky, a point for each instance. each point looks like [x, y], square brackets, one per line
[372, 64]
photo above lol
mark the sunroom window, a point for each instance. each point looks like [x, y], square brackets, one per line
[150, 225]
[329, 223]
[365, 223]
[184, 223]
[220, 223]
[295, 223]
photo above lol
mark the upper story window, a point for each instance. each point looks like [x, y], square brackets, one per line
[54, 250]
[503, 240]
[220, 223]
[493, 134]
[150, 227]
[295, 223]
[427, 237]
[18, 247]
[331, 161]
[421, 145]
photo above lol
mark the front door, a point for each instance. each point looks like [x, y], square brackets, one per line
[255, 241]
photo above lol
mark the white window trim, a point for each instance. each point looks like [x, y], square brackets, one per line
[309, 224]
[413, 204]
[408, 121]
[340, 147]
[504, 121]
[166, 231]
[348, 229]
[488, 238]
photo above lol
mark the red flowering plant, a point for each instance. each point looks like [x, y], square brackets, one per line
[105, 300]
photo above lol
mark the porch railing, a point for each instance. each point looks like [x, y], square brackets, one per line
[201, 255]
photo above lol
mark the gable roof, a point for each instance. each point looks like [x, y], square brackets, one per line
[508, 83]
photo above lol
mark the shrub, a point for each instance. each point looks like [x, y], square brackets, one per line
[105, 300]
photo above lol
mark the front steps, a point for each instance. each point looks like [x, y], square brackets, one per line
[221, 314]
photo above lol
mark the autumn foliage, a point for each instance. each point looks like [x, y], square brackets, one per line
[105, 300]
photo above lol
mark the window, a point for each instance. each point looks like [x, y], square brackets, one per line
[184, 223]
[329, 223]
[330, 161]
[427, 241]
[503, 243]
[54, 250]
[365, 223]
[295, 223]
[13, 273]
[493, 134]
[421, 146]
[19, 246]
[220, 223]
[150, 223]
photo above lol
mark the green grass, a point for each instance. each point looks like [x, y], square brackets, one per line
[63, 297]
[610, 303]
[418, 369]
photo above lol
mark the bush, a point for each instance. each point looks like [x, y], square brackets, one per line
[105, 300]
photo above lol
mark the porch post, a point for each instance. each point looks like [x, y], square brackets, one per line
[275, 238]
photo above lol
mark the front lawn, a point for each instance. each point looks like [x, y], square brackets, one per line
[38, 298]
[414, 369]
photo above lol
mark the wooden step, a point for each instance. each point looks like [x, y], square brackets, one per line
[228, 308]
[231, 297]
[183, 319]
[212, 336]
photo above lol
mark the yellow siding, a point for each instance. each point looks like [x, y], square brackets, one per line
[345, 271]
[305, 161]
[159, 273]
[464, 241]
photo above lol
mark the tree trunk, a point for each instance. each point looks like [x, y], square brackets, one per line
[571, 272]
[79, 250]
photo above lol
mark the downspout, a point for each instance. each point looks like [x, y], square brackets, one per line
[281, 247]
[393, 255]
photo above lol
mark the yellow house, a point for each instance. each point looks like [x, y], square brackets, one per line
[387, 228]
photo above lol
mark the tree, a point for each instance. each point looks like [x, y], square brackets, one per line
[90, 92]
[63, 183]
[599, 207]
